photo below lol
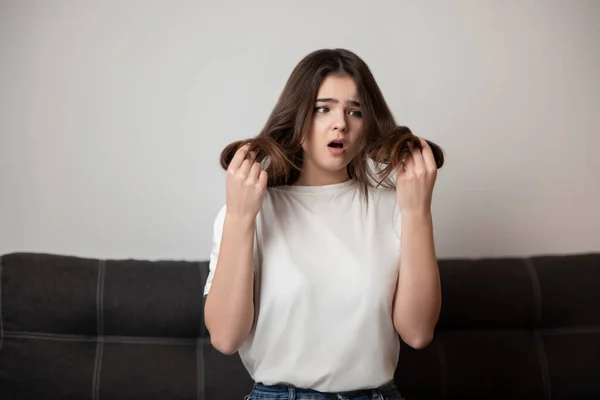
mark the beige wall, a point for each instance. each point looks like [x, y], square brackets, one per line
[113, 114]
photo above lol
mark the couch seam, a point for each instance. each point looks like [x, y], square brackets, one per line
[443, 366]
[581, 330]
[541, 351]
[118, 339]
[106, 338]
[100, 329]
[200, 383]
[202, 331]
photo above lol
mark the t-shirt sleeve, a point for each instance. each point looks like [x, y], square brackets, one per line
[216, 245]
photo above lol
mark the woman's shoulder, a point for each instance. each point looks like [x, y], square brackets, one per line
[382, 193]
[385, 201]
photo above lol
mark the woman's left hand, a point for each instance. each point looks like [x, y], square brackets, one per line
[415, 180]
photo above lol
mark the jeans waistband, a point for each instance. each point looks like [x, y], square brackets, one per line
[261, 391]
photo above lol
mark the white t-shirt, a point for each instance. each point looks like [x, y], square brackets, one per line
[325, 273]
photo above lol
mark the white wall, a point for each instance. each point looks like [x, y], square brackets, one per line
[113, 115]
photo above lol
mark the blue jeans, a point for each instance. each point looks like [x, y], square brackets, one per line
[388, 391]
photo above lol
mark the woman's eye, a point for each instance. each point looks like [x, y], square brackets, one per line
[321, 109]
[356, 113]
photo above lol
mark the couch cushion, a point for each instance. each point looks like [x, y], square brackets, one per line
[158, 299]
[512, 328]
[49, 294]
[569, 290]
[77, 328]
[487, 294]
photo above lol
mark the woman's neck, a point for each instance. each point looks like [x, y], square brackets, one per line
[310, 177]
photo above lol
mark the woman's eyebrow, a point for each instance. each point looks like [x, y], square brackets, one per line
[332, 100]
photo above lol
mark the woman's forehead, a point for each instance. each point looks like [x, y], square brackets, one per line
[339, 87]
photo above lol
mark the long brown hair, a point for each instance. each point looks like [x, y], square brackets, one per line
[279, 144]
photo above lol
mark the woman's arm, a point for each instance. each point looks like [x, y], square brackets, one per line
[229, 307]
[418, 297]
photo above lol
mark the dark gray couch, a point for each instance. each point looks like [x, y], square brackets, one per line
[77, 328]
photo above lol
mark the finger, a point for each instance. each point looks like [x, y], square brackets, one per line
[238, 157]
[263, 178]
[254, 172]
[402, 167]
[252, 156]
[428, 157]
[409, 163]
[417, 157]
[244, 169]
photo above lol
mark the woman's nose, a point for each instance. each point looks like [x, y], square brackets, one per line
[340, 123]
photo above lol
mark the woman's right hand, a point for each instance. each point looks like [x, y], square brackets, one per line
[246, 185]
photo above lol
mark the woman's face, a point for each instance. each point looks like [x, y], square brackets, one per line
[332, 139]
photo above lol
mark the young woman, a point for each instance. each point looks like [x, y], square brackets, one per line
[323, 254]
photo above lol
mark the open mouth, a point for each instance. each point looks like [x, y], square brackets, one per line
[336, 144]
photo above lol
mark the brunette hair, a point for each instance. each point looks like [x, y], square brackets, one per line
[279, 145]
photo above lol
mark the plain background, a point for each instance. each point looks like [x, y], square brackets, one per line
[113, 115]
